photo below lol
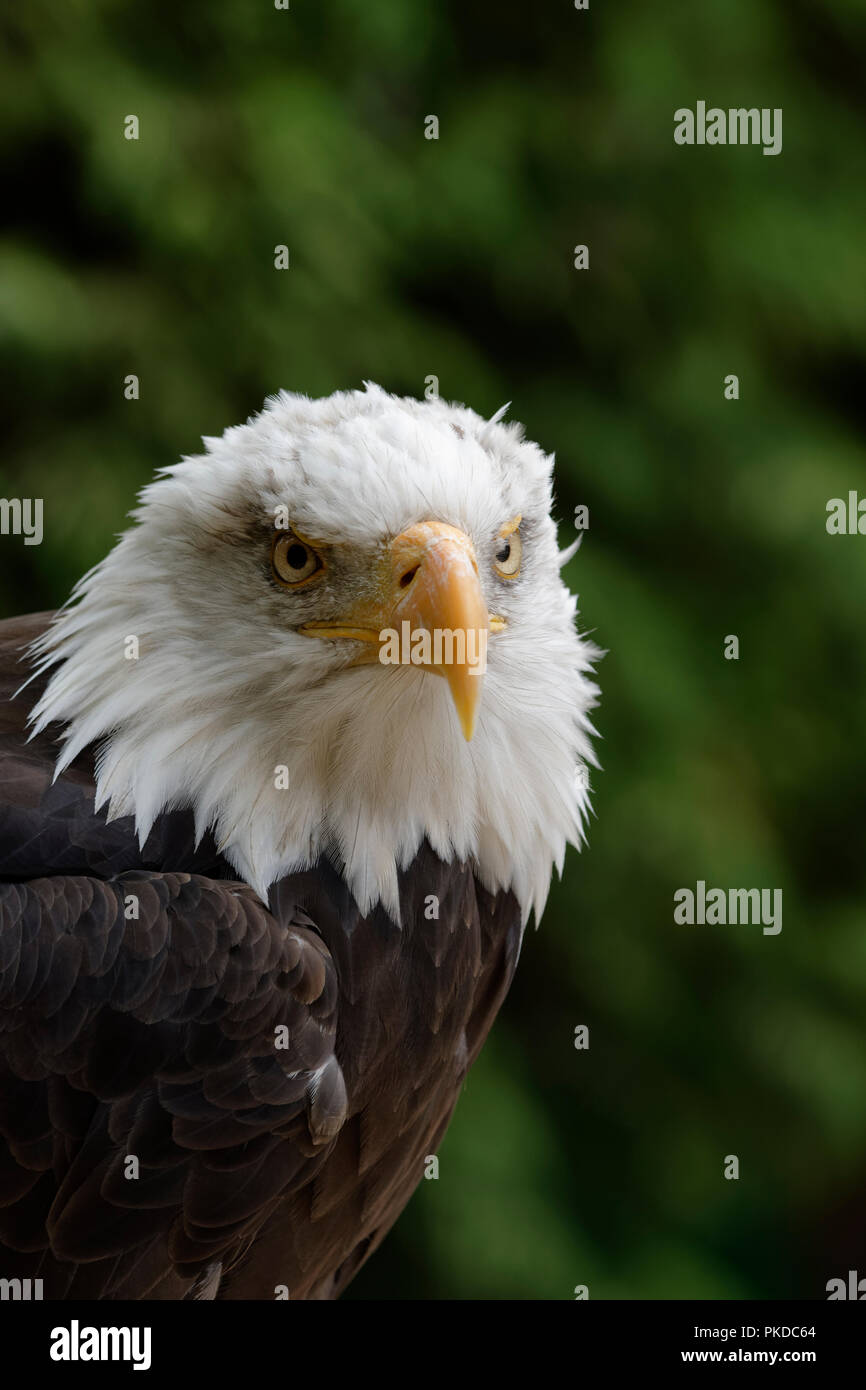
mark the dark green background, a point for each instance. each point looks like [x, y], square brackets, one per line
[707, 517]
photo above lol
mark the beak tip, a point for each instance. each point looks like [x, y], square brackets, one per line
[468, 727]
[465, 702]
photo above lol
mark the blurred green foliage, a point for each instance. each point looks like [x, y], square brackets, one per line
[412, 257]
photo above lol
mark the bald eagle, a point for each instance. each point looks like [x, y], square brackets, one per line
[266, 867]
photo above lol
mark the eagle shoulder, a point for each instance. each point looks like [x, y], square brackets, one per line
[168, 1068]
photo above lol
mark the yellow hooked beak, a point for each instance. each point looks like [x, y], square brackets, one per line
[428, 583]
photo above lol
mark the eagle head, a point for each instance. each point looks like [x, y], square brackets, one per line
[340, 630]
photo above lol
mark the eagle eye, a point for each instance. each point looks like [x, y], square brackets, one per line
[506, 561]
[293, 561]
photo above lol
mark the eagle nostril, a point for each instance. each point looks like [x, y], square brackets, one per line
[406, 579]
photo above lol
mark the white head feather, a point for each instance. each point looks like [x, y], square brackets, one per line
[225, 690]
